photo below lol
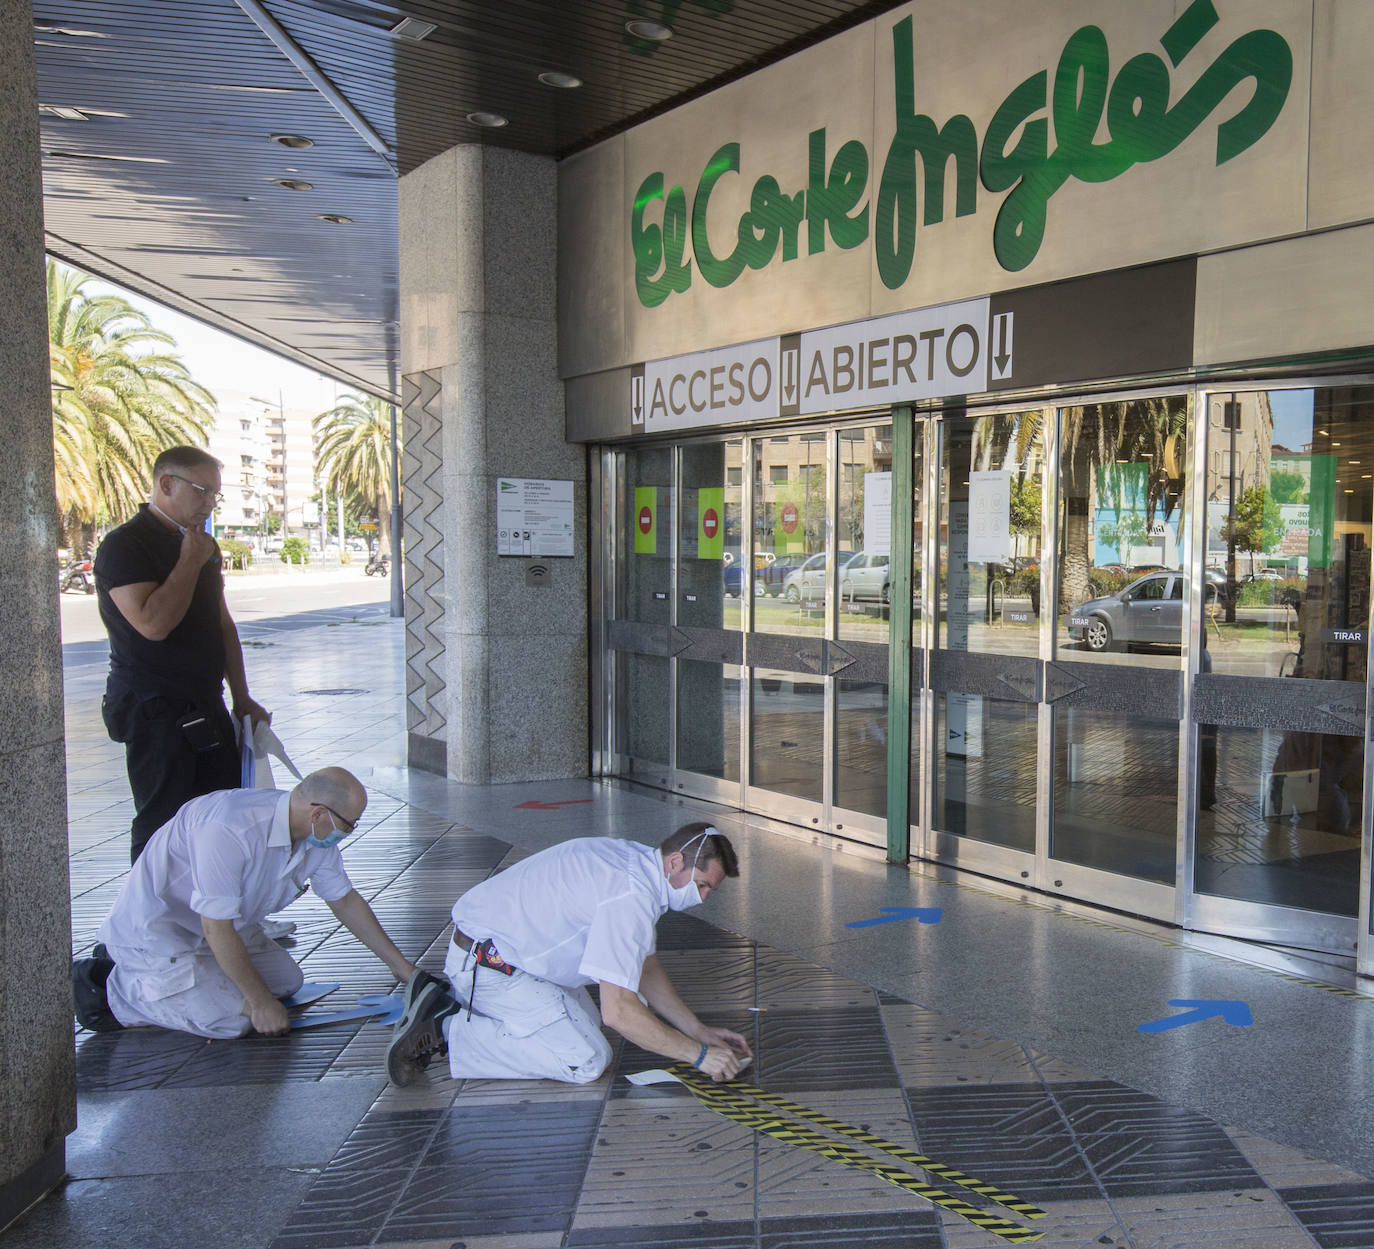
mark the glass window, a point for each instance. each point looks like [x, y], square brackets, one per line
[711, 572]
[1123, 487]
[644, 595]
[864, 526]
[990, 525]
[789, 533]
[1288, 544]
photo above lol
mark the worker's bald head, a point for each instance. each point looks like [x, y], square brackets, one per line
[337, 788]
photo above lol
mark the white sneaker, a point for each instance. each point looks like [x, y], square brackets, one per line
[275, 928]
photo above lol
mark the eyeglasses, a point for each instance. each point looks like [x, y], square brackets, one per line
[213, 495]
[346, 826]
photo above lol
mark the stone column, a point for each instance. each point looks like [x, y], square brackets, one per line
[496, 667]
[37, 1069]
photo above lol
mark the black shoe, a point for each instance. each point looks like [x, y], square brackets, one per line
[412, 990]
[88, 990]
[420, 1033]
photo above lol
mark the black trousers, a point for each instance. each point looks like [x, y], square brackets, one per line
[168, 762]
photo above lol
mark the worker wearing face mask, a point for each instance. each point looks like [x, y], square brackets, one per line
[527, 941]
[183, 947]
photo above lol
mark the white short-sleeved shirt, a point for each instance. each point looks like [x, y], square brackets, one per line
[227, 855]
[574, 913]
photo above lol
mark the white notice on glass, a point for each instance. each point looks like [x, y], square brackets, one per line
[989, 519]
[534, 516]
[878, 513]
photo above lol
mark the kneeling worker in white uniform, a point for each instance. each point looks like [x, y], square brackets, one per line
[527, 941]
[184, 935]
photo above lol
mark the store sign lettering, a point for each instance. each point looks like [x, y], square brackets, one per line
[832, 207]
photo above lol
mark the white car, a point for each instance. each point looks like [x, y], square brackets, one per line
[866, 576]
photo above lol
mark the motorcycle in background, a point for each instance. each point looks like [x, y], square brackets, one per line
[77, 575]
[380, 564]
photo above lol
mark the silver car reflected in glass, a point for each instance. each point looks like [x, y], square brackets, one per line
[1147, 612]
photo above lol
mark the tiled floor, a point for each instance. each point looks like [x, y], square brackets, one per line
[1001, 1043]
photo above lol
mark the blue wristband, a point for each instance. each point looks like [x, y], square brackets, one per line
[701, 1058]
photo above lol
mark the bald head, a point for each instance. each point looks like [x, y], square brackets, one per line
[335, 790]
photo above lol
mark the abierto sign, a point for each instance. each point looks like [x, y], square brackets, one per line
[922, 354]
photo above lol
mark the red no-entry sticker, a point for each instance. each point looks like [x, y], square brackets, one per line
[710, 522]
[789, 518]
[646, 518]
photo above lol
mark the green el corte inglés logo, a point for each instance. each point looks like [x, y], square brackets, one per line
[1140, 120]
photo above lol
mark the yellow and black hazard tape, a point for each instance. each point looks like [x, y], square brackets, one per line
[731, 1102]
[1007, 1200]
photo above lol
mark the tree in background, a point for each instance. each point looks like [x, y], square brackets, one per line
[117, 403]
[353, 453]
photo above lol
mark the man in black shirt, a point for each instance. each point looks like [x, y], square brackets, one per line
[172, 645]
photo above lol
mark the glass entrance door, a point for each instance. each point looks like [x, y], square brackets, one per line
[1115, 685]
[984, 674]
[1280, 694]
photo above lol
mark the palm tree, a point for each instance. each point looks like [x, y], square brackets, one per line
[116, 403]
[353, 451]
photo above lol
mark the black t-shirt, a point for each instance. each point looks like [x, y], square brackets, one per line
[189, 662]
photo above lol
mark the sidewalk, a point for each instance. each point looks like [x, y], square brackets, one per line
[1000, 1042]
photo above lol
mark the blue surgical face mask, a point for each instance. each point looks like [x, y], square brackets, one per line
[331, 838]
[684, 896]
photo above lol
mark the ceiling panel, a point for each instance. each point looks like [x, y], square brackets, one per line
[170, 182]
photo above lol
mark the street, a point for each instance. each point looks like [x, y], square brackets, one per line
[254, 596]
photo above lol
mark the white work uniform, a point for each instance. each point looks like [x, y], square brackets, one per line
[576, 913]
[227, 855]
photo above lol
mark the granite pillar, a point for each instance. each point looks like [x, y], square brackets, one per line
[37, 1069]
[496, 666]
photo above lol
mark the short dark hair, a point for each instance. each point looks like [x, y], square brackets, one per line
[184, 458]
[715, 848]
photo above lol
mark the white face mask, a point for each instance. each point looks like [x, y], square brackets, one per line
[684, 896]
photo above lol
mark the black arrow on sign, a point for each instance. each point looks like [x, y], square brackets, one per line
[1003, 356]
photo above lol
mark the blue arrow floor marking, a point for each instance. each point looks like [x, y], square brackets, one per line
[1235, 1013]
[892, 914]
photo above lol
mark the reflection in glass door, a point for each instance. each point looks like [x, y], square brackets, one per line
[644, 606]
[1280, 695]
[984, 671]
[858, 660]
[791, 492]
[1116, 683]
[708, 648]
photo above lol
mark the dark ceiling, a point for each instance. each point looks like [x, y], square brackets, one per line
[163, 174]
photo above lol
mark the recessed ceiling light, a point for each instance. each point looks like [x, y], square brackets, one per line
[414, 29]
[554, 78]
[642, 28]
[292, 140]
[491, 121]
[336, 218]
[294, 184]
[63, 111]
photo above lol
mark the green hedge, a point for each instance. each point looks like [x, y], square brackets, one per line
[236, 554]
[295, 551]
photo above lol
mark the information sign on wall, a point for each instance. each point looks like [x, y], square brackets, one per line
[534, 516]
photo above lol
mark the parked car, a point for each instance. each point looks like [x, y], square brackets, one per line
[866, 576]
[773, 579]
[733, 572]
[807, 580]
[1266, 574]
[1147, 612]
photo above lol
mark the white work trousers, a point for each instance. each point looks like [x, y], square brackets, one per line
[190, 992]
[521, 1027]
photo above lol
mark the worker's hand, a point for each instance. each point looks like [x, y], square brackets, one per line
[730, 1040]
[721, 1063]
[248, 707]
[270, 1018]
[197, 546]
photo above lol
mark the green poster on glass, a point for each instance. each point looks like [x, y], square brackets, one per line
[1321, 511]
[711, 523]
[645, 520]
